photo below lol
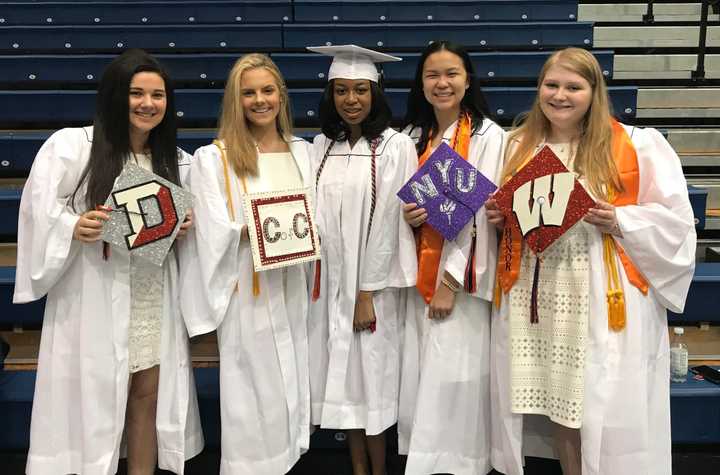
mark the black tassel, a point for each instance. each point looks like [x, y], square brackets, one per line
[470, 277]
[534, 295]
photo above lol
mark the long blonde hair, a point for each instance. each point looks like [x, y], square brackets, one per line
[241, 150]
[593, 157]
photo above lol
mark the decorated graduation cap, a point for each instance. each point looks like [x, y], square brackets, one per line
[449, 188]
[146, 212]
[353, 62]
[540, 203]
[543, 200]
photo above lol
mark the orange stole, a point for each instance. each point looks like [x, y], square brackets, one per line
[625, 157]
[430, 242]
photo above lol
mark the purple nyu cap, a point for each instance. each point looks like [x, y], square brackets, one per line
[449, 188]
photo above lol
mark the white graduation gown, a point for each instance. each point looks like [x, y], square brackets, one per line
[354, 376]
[262, 341]
[81, 390]
[444, 423]
[626, 421]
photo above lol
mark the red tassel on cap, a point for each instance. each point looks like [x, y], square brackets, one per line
[316, 283]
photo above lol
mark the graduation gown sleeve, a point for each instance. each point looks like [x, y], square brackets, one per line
[210, 257]
[45, 228]
[390, 259]
[659, 232]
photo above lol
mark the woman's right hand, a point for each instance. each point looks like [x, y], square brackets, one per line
[413, 215]
[494, 215]
[244, 234]
[364, 317]
[89, 227]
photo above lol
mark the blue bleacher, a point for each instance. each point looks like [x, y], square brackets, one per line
[301, 67]
[9, 200]
[436, 11]
[70, 39]
[26, 315]
[18, 148]
[145, 13]
[418, 35]
[695, 412]
[62, 107]
[704, 289]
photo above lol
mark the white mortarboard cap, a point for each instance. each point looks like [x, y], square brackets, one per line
[353, 62]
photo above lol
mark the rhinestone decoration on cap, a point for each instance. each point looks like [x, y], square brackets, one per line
[146, 212]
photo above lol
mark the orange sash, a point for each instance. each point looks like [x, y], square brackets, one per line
[430, 242]
[625, 157]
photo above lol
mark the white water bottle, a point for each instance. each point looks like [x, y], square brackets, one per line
[678, 357]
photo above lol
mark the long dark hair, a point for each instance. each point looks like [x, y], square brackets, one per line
[420, 112]
[111, 129]
[374, 124]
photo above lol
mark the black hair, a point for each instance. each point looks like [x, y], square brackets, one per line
[111, 128]
[374, 124]
[420, 112]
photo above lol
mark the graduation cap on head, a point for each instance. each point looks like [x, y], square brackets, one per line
[353, 62]
[449, 188]
[543, 200]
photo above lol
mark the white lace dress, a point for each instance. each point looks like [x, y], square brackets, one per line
[548, 357]
[146, 295]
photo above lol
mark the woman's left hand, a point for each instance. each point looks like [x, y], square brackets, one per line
[187, 224]
[603, 216]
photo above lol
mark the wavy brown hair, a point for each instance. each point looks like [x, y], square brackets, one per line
[240, 146]
[593, 157]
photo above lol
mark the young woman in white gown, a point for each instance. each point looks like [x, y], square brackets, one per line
[260, 318]
[444, 424]
[114, 353]
[359, 164]
[601, 401]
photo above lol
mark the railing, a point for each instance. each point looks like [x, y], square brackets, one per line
[648, 17]
[698, 74]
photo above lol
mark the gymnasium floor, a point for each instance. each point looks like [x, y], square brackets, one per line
[687, 460]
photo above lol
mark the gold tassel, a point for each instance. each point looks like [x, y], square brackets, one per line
[256, 284]
[616, 310]
[615, 295]
[231, 209]
[497, 298]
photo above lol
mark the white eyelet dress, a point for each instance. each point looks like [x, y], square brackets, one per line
[146, 294]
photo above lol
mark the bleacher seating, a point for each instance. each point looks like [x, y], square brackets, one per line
[436, 11]
[9, 205]
[54, 39]
[147, 13]
[212, 68]
[52, 55]
[23, 108]
[417, 35]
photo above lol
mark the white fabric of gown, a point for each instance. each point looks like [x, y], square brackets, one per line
[444, 422]
[626, 420]
[81, 390]
[354, 376]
